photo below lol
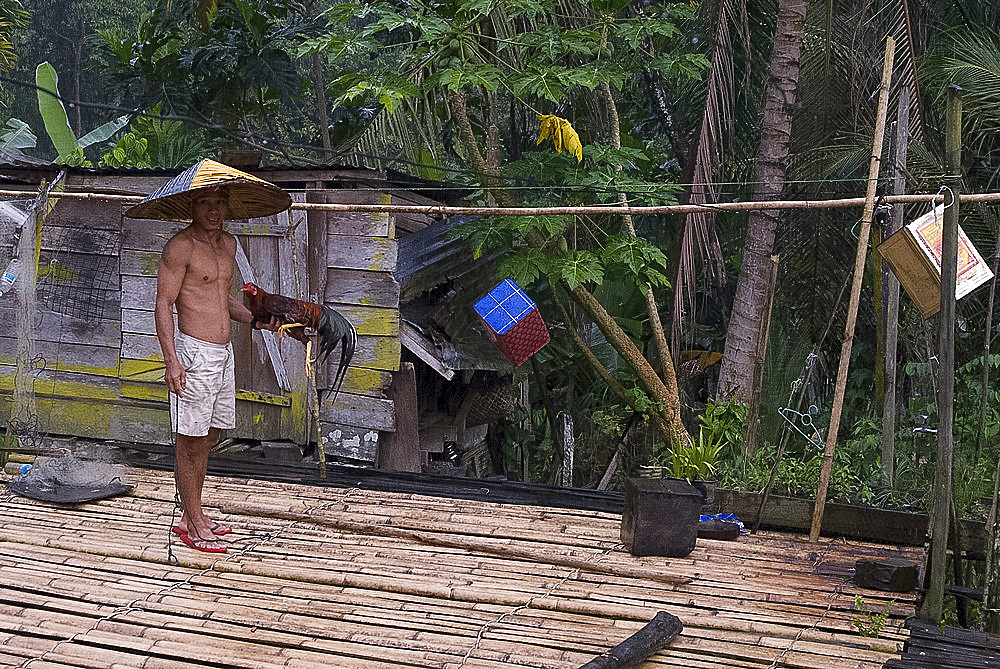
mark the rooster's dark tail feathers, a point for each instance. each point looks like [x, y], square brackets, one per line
[334, 329]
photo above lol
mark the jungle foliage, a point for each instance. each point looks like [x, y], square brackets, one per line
[538, 102]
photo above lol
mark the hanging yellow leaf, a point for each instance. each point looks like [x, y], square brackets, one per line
[572, 142]
[546, 123]
[562, 133]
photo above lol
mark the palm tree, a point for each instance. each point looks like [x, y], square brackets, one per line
[736, 374]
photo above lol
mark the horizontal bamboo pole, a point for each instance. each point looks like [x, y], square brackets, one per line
[567, 211]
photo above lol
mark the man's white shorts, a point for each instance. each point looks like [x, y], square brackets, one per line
[209, 396]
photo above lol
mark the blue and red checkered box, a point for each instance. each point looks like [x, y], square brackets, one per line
[512, 322]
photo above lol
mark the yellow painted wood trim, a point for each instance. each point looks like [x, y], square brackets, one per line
[264, 398]
[64, 389]
[69, 367]
[158, 391]
[141, 370]
[144, 391]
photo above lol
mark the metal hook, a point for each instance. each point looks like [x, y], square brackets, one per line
[855, 227]
[941, 191]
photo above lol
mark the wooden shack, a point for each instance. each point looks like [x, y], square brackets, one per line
[97, 369]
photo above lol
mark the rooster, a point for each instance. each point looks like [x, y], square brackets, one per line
[294, 316]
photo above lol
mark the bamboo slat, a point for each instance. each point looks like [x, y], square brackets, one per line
[350, 577]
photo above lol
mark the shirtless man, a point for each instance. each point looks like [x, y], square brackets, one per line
[196, 276]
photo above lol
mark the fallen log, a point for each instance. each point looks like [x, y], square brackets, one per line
[654, 636]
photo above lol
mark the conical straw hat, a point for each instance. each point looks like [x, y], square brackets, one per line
[249, 197]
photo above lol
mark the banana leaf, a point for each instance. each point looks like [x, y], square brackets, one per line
[52, 110]
[17, 136]
[102, 132]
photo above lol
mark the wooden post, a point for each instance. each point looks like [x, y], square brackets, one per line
[991, 590]
[753, 412]
[852, 309]
[23, 401]
[569, 445]
[400, 450]
[891, 291]
[28, 249]
[988, 330]
[933, 606]
[312, 390]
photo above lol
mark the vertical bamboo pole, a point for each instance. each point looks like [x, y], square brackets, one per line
[852, 309]
[891, 291]
[28, 251]
[933, 605]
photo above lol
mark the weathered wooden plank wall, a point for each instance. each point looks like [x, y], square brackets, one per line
[359, 261]
[103, 370]
[78, 336]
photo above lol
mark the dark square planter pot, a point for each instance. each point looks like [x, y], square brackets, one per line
[660, 517]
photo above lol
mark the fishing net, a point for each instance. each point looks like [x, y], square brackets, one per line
[70, 479]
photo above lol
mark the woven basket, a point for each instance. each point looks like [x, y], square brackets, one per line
[490, 403]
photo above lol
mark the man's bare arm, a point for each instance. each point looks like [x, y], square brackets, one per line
[169, 277]
[239, 313]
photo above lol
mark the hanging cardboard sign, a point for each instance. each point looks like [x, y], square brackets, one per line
[914, 254]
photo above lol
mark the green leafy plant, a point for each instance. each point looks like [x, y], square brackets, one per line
[870, 623]
[726, 421]
[155, 142]
[696, 460]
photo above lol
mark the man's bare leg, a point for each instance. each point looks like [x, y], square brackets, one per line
[192, 463]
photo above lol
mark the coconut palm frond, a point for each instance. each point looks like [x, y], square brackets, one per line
[974, 64]
[714, 134]
[905, 66]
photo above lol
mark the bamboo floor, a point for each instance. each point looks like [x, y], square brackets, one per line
[345, 577]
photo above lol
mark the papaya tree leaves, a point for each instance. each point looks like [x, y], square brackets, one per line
[487, 233]
[389, 88]
[575, 268]
[538, 81]
[547, 225]
[642, 260]
[524, 265]
[637, 30]
[467, 74]
[337, 46]
[680, 66]
[551, 43]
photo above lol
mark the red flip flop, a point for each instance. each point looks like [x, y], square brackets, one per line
[218, 529]
[198, 543]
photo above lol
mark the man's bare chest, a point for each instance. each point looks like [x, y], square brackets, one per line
[209, 266]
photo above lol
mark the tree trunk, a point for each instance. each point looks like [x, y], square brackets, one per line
[736, 374]
[661, 391]
[319, 84]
